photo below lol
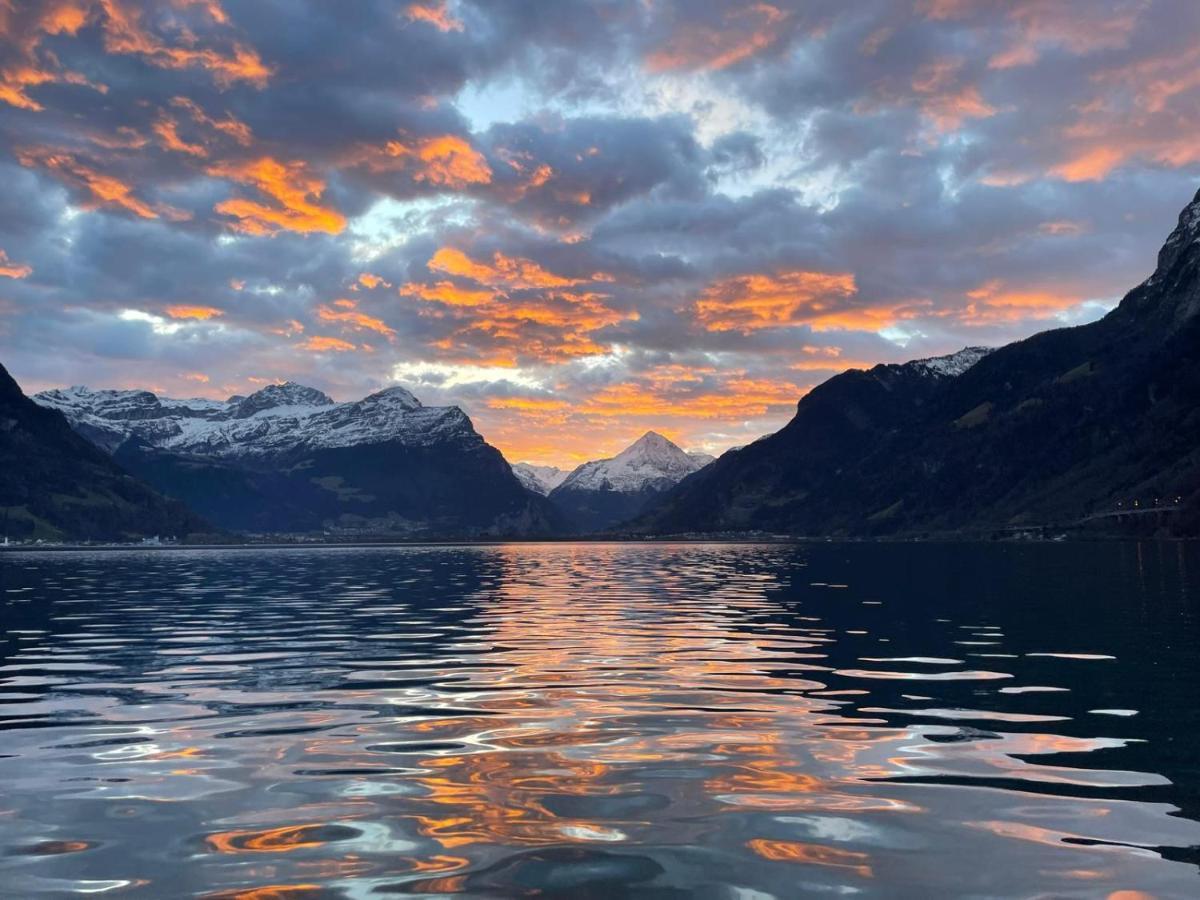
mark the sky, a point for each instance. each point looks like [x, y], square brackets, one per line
[576, 220]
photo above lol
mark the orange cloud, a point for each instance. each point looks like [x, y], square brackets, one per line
[64, 17]
[105, 190]
[125, 34]
[435, 13]
[518, 306]
[212, 7]
[296, 194]
[193, 312]
[9, 269]
[1143, 110]
[229, 125]
[167, 130]
[1039, 24]
[290, 329]
[1091, 165]
[1158, 79]
[348, 314]
[367, 280]
[945, 102]
[994, 301]
[745, 32]
[534, 174]
[527, 403]
[198, 377]
[15, 80]
[947, 112]
[508, 272]
[321, 344]
[445, 160]
[448, 293]
[750, 302]
[26, 65]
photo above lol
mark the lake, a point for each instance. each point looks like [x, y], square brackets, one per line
[602, 720]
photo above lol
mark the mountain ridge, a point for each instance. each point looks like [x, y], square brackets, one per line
[1066, 424]
[287, 458]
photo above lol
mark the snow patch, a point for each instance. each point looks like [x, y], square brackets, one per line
[954, 364]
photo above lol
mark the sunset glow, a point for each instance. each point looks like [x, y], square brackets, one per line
[582, 225]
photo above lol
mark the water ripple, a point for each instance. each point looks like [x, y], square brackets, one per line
[596, 721]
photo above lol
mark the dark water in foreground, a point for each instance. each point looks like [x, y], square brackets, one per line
[739, 722]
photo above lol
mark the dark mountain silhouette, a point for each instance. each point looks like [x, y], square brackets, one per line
[56, 486]
[1071, 423]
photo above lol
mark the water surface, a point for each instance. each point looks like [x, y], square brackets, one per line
[725, 721]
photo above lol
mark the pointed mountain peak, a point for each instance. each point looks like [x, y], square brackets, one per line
[651, 440]
[9, 388]
[652, 460]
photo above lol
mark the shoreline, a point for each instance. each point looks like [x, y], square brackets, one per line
[665, 540]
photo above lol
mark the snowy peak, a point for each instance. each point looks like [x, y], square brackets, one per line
[394, 397]
[539, 479]
[650, 447]
[276, 396]
[651, 462]
[954, 364]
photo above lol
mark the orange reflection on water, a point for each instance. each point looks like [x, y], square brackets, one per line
[270, 892]
[497, 797]
[812, 854]
[271, 840]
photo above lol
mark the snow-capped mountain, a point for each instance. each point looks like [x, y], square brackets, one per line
[288, 458]
[278, 420]
[605, 492]
[651, 461]
[539, 479]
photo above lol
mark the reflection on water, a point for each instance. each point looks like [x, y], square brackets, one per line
[601, 720]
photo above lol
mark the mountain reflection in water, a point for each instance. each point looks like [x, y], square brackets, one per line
[593, 720]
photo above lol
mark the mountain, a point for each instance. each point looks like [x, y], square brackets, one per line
[55, 485]
[1092, 421]
[287, 458]
[605, 492]
[539, 479]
